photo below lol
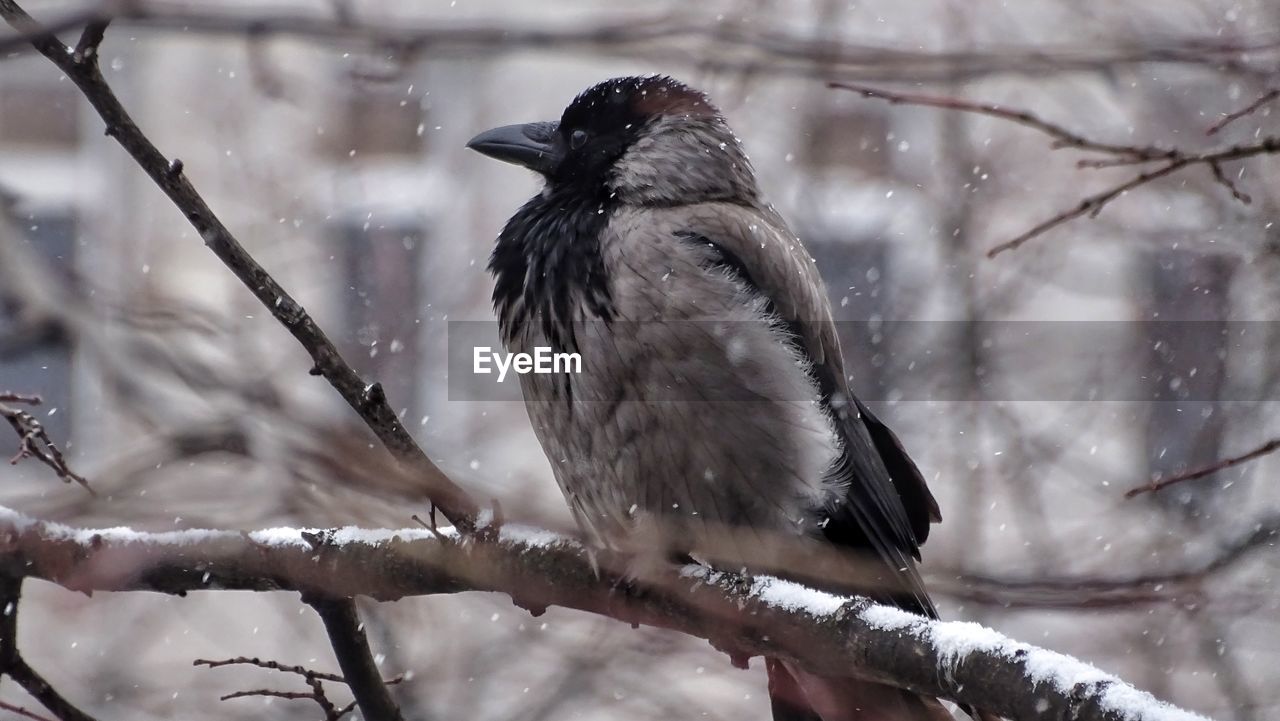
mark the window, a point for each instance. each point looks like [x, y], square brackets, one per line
[36, 358]
[1186, 365]
[376, 120]
[381, 303]
[856, 276]
[39, 114]
[848, 138]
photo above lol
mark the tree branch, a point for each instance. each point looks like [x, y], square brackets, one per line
[1171, 160]
[16, 667]
[1249, 109]
[270, 665]
[33, 439]
[366, 399]
[22, 711]
[29, 399]
[346, 635]
[313, 679]
[1062, 138]
[761, 616]
[1157, 484]
[94, 32]
[1180, 586]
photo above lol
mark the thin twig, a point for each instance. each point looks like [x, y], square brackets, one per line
[23, 712]
[1249, 109]
[34, 441]
[1171, 160]
[291, 695]
[1180, 586]
[1228, 183]
[285, 668]
[1093, 204]
[429, 526]
[1158, 483]
[272, 665]
[1090, 206]
[92, 36]
[1062, 138]
[313, 679]
[322, 700]
[27, 398]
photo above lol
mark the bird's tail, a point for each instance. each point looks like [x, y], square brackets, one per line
[800, 696]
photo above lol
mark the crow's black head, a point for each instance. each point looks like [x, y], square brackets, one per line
[647, 140]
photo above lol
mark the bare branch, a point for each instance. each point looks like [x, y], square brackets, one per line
[90, 39]
[317, 694]
[1090, 206]
[1172, 159]
[1180, 586]
[1158, 483]
[32, 33]
[27, 398]
[272, 665]
[367, 399]
[1249, 109]
[1062, 138]
[22, 712]
[1093, 204]
[346, 635]
[1228, 183]
[312, 678]
[291, 695]
[331, 712]
[13, 665]
[34, 441]
[747, 616]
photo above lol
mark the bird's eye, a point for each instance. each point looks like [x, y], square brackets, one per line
[577, 139]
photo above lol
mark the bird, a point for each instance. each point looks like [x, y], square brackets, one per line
[713, 418]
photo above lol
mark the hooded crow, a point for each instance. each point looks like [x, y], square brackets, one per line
[713, 417]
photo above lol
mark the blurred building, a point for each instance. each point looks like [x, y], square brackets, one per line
[341, 167]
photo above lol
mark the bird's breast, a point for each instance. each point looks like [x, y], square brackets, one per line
[692, 403]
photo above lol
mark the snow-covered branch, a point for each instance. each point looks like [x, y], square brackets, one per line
[747, 616]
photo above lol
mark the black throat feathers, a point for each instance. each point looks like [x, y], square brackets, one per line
[548, 268]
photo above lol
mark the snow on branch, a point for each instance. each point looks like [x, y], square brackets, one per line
[745, 616]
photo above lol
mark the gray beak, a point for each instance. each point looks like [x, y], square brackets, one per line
[532, 145]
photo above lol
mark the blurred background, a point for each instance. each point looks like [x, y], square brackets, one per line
[329, 138]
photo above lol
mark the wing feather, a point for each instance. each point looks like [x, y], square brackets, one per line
[886, 506]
